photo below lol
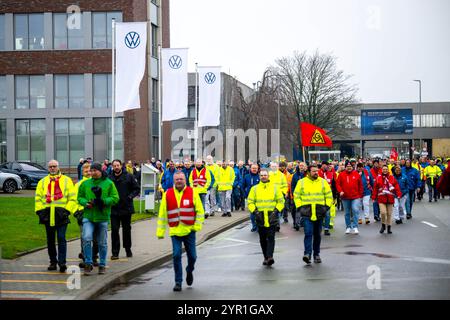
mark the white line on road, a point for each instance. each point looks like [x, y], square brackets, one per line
[237, 240]
[430, 224]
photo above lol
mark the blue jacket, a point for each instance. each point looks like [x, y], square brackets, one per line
[296, 178]
[250, 180]
[238, 177]
[402, 180]
[367, 191]
[413, 177]
[187, 173]
[243, 171]
[167, 179]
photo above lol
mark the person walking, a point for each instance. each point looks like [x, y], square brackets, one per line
[128, 189]
[299, 173]
[414, 184]
[350, 188]
[367, 182]
[432, 174]
[181, 209]
[97, 195]
[211, 203]
[279, 179]
[327, 172]
[265, 201]
[385, 190]
[167, 176]
[375, 171]
[251, 179]
[225, 182]
[200, 179]
[400, 202]
[313, 199]
[54, 202]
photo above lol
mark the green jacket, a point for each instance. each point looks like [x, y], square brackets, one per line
[110, 197]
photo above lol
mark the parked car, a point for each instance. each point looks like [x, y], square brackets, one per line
[10, 182]
[29, 172]
[396, 123]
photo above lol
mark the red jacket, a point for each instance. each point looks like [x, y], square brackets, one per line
[385, 189]
[350, 184]
[375, 173]
[443, 185]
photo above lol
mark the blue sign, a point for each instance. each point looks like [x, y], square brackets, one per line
[210, 78]
[175, 62]
[386, 121]
[132, 40]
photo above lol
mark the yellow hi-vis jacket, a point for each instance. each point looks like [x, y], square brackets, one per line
[225, 178]
[182, 229]
[419, 168]
[214, 168]
[279, 179]
[265, 197]
[308, 191]
[68, 201]
[432, 172]
[207, 177]
[79, 207]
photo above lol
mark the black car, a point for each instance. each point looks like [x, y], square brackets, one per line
[29, 172]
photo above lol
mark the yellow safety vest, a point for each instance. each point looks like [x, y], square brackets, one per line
[226, 179]
[265, 197]
[313, 192]
[432, 172]
[279, 180]
[214, 168]
[76, 188]
[207, 177]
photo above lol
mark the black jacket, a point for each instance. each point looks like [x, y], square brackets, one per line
[128, 188]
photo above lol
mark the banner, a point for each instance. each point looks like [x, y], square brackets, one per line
[386, 121]
[130, 44]
[174, 66]
[313, 136]
[209, 86]
[394, 154]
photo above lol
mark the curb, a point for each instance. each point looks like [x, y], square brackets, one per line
[143, 267]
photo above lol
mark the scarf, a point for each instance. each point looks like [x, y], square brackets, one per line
[57, 193]
[387, 187]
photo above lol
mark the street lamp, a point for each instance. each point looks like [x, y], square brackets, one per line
[420, 113]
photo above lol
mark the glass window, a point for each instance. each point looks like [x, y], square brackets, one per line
[3, 142]
[101, 28]
[102, 138]
[155, 95]
[76, 91]
[154, 41]
[101, 88]
[2, 32]
[76, 36]
[69, 141]
[36, 31]
[2, 92]
[61, 91]
[22, 90]
[37, 92]
[59, 31]
[21, 31]
[111, 15]
[30, 140]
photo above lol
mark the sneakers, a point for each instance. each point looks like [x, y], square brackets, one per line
[408, 216]
[377, 218]
[101, 270]
[62, 268]
[270, 261]
[114, 257]
[254, 229]
[348, 230]
[297, 227]
[355, 231]
[95, 263]
[307, 259]
[129, 254]
[177, 287]
[189, 278]
[359, 221]
[52, 266]
[265, 262]
[367, 220]
[88, 269]
[327, 232]
[317, 259]
[229, 214]
[399, 221]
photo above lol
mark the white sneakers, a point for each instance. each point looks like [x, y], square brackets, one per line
[351, 231]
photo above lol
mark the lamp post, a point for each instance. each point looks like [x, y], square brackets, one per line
[420, 113]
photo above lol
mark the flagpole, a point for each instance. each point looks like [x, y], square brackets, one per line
[304, 158]
[160, 105]
[113, 91]
[196, 109]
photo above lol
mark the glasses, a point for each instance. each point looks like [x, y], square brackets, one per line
[53, 166]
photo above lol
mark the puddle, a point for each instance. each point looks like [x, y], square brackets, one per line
[376, 254]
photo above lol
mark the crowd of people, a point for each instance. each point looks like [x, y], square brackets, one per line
[310, 193]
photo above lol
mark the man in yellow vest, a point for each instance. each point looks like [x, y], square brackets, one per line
[278, 179]
[225, 182]
[200, 180]
[181, 209]
[211, 196]
[266, 201]
[432, 174]
[313, 198]
[54, 202]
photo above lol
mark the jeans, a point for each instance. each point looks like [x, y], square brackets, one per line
[101, 230]
[351, 207]
[400, 207]
[312, 239]
[326, 223]
[203, 199]
[62, 243]
[365, 207]
[225, 200]
[267, 240]
[189, 245]
[410, 201]
[253, 220]
[432, 191]
[236, 198]
[116, 220]
[376, 209]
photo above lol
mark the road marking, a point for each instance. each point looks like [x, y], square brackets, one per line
[25, 292]
[429, 260]
[237, 240]
[32, 272]
[35, 281]
[430, 224]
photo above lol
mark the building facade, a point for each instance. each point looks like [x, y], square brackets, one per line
[55, 81]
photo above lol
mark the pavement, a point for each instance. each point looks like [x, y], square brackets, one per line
[27, 277]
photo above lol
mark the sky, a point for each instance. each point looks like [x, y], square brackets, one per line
[382, 44]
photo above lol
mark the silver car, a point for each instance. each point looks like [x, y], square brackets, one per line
[10, 182]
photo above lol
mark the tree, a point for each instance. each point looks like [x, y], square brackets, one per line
[311, 89]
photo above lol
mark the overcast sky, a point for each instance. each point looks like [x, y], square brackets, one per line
[384, 44]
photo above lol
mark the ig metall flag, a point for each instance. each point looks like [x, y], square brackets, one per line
[174, 65]
[131, 43]
[209, 86]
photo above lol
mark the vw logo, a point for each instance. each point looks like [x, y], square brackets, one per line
[175, 62]
[132, 40]
[210, 78]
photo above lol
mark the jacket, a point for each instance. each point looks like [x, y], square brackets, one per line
[238, 178]
[128, 189]
[200, 179]
[402, 183]
[279, 180]
[443, 185]
[413, 178]
[76, 188]
[432, 174]
[375, 172]
[225, 179]
[350, 184]
[311, 195]
[385, 189]
[250, 180]
[181, 229]
[187, 173]
[263, 199]
[367, 182]
[330, 176]
[56, 212]
[167, 179]
[296, 177]
[109, 196]
[214, 168]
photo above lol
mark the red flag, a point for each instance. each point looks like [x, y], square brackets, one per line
[394, 154]
[313, 136]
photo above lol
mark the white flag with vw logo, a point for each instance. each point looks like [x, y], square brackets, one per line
[209, 86]
[131, 43]
[175, 83]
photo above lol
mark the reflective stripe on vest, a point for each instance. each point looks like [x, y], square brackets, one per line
[200, 180]
[185, 213]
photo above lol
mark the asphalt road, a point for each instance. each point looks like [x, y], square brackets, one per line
[411, 263]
